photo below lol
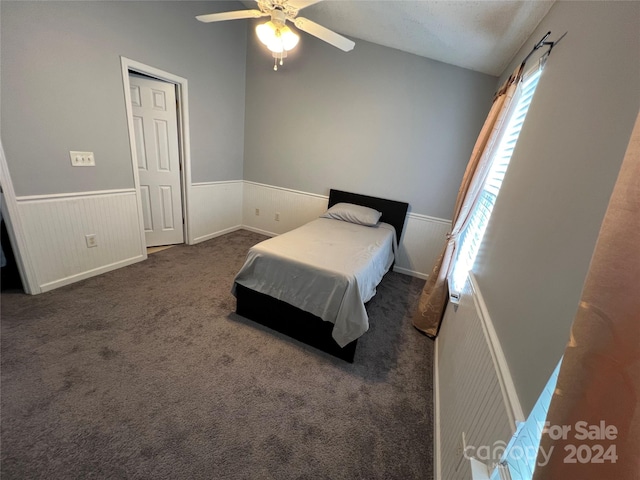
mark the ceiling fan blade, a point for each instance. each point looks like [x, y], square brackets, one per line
[324, 33]
[219, 17]
[300, 4]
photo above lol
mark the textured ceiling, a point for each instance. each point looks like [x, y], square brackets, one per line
[478, 35]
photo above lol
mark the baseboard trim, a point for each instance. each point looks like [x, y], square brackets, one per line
[260, 231]
[411, 273]
[209, 236]
[509, 393]
[91, 273]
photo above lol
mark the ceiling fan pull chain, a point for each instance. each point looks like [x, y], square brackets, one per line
[275, 60]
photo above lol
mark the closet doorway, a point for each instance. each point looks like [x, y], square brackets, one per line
[157, 113]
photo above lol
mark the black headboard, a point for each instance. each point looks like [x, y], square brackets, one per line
[393, 212]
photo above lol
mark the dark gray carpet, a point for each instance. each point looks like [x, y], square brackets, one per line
[146, 372]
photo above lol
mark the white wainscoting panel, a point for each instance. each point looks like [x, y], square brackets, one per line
[470, 397]
[295, 208]
[422, 242]
[215, 208]
[55, 228]
[56, 225]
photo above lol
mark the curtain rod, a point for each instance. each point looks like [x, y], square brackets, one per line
[541, 44]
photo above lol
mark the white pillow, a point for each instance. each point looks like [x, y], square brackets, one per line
[348, 212]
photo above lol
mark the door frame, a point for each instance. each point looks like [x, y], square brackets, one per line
[182, 97]
[16, 230]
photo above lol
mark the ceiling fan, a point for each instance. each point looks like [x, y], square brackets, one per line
[275, 34]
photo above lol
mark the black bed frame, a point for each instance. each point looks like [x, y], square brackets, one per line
[297, 323]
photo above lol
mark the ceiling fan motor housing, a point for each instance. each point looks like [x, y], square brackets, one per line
[278, 17]
[270, 6]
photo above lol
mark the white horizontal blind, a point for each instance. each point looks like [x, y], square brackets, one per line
[470, 239]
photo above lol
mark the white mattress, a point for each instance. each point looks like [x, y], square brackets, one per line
[327, 267]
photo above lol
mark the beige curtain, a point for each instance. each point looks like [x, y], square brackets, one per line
[599, 380]
[433, 299]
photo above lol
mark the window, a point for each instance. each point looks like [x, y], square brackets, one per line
[471, 237]
[521, 454]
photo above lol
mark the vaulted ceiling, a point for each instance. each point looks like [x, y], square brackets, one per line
[478, 35]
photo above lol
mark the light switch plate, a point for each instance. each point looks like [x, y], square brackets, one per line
[82, 159]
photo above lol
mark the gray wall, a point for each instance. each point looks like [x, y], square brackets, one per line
[537, 249]
[62, 88]
[375, 121]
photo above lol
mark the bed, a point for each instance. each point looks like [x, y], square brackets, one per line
[312, 283]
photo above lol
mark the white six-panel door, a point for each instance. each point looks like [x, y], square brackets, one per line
[155, 122]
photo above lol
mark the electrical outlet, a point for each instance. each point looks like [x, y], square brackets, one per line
[257, 212]
[82, 159]
[91, 240]
[277, 216]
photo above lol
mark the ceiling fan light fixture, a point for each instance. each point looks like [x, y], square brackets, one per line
[289, 39]
[277, 38]
[266, 32]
